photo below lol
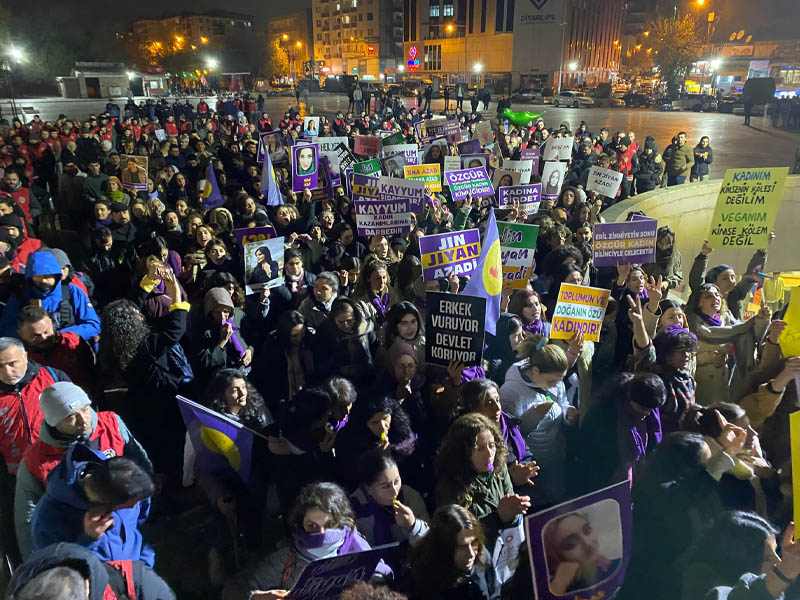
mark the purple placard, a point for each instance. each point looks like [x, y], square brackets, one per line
[642, 218]
[621, 243]
[254, 234]
[305, 167]
[608, 514]
[529, 196]
[327, 578]
[455, 252]
[469, 181]
[530, 153]
[381, 207]
[433, 128]
[469, 147]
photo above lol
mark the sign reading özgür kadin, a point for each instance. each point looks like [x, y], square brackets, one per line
[469, 181]
[454, 252]
[622, 243]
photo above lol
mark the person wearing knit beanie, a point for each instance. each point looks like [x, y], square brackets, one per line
[60, 401]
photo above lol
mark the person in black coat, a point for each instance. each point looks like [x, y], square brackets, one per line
[650, 168]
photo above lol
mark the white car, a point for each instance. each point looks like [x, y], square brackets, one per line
[572, 98]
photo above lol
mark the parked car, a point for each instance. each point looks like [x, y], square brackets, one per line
[695, 102]
[527, 95]
[616, 102]
[573, 98]
[757, 110]
[636, 100]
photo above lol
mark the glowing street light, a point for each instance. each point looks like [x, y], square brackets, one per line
[573, 66]
[450, 28]
[131, 74]
[285, 36]
[715, 63]
[299, 44]
[212, 63]
[401, 68]
[477, 67]
[203, 39]
[178, 39]
[16, 54]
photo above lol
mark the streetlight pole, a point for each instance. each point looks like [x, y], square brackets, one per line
[563, 38]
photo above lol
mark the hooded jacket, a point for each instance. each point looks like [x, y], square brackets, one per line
[109, 435]
[104, 583]
[59, 514]
[206, 351]
[20, 416]
[86, 322]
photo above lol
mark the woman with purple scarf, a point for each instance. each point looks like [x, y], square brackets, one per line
[718, 377]
[527, 305]
[322, 525]
[387, 510]
[631, 282]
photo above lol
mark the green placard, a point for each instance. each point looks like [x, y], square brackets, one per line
[367, 167]
[394, 139]
[747, 207]
[517, 247]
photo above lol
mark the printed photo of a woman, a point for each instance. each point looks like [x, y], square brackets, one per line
[266, 269]
[306, 165]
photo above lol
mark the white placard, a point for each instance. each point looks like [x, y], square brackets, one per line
[604, 181]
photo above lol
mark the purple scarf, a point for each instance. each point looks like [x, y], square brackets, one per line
[537, 327]
[345, 537]
[714, 321]
[382, 302]
[382, 518]
[339, 425]
[512, 436]
[237, 343]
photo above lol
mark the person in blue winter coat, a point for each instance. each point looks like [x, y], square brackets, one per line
[98, 503]
[43, 286]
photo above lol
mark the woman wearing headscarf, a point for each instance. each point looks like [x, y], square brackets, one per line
[501, 350]
[346, 344]
[667, 265]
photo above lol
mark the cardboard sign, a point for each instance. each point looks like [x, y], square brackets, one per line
[579, 308]
[367, 167]
[134, 172]
[558, 148]
[606, 514]
[327, 578]
[454, 329]
[367, 145]
[452, 163]
[328, 146]
[504, 177]
[483, 132]
[381, 205]
[473, 161]
[517, 247]
[469, 147]
[604, 181]
[434, 128]
[161, 135]
[453, 252]
[393, 139]
[469, 181]
[430, 174]
[789, 338]
[263, 264]
[553, 177]
[345, 158]
[248, 235]
[523, 167]
[530, 154]
[305, 167]
[529, 196]
[747, 207]
[393, 165]
[622, 243]
[794, 444]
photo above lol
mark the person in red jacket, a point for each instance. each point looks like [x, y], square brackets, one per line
[68, 419]
[65, 350]
[23, 245]
[627, 164]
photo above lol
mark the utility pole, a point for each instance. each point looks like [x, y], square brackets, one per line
[563, 38]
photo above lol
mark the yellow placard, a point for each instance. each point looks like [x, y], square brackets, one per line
[429, 173]
[794, 438]
[747, 207]
[790, 337]
[579, 308]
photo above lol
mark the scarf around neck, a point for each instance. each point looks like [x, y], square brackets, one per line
[536, 327]
[714, 321]
[512, 436]
[312, 546]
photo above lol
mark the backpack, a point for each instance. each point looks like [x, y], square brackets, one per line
[175, 367]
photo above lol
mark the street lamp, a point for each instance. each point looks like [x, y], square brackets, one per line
[477, 67]
[285, 36]
[573, 66]
[17, 56]
[401, 68]
[212, 63]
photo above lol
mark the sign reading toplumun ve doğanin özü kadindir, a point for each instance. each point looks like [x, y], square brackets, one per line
[381, 208]
[579, 309]
[474, 182]
[452, 252]
[454, 329]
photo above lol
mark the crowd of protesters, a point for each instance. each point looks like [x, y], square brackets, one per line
[117, 300]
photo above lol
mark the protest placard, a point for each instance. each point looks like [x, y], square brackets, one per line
[430, 174]
[434, 128]
[263, 264]
[558, 148]
[393, 165]
[483, 132]
[345, 157]
[794, 444]
[367, 167]
[393, 139]
[553, 177]
[628, 242]
[305, 167]
[134, 172]
[529, 196]
[504, 178]
[327, 578]
[367, 145]
[523, 167]
[531, 154]
[604, 181]
[247, 235]
[452, 252]
[454, 329]
[452, 163]
[606, 516]
[472, 161]
[382, 205]
[469, 181]
[161, 135]
[472, 146]
[579, 308]
[747, 207]
[517, 246]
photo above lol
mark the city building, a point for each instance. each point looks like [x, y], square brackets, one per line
[215, 29]
[294, 33]
[731, 63]
[506, 44]
[358, 37]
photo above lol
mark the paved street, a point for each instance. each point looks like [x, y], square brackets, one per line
[734, 144]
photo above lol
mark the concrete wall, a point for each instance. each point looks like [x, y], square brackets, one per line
[688, 209]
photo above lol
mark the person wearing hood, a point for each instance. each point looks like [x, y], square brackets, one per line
[13, 232]
[79, 574]
[218, 342]
[67, 304]
[667, 266]
[68, 274]
[68, 418]
[650, 168]
[29, 198]
[97, 502]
